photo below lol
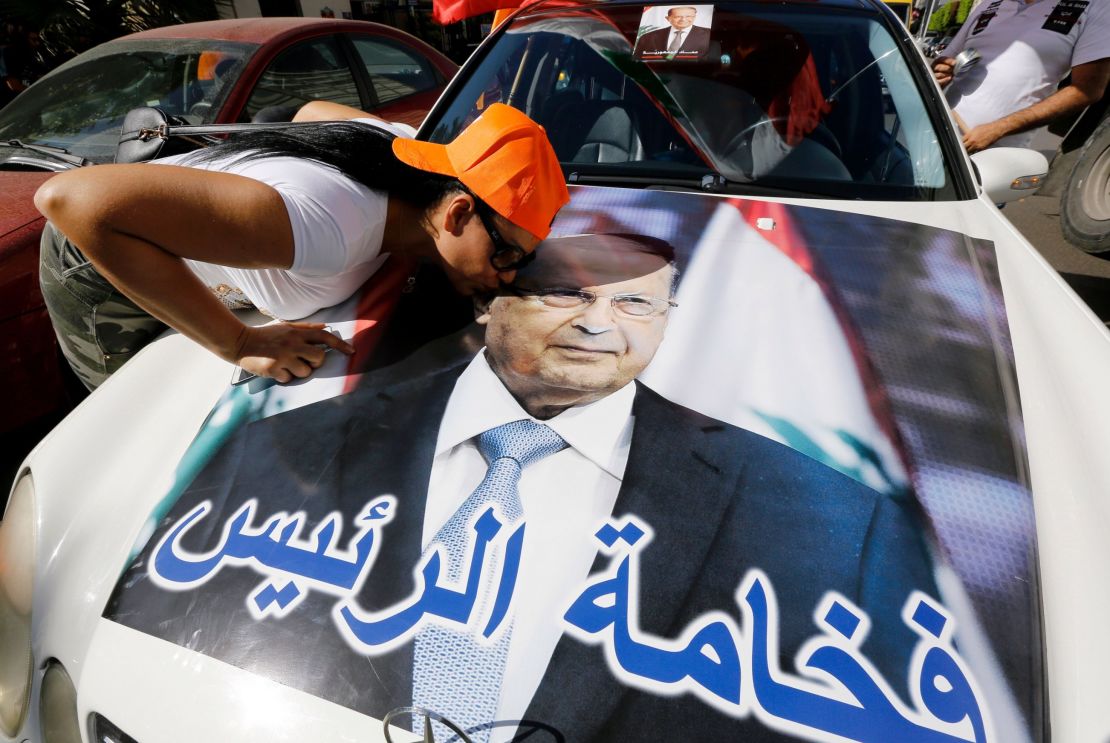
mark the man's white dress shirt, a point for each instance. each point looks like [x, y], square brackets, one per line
[566, 497]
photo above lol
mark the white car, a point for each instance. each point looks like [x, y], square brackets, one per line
[856, 491]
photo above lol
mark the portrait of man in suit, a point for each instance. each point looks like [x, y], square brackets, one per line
[682, 39]
[548, 423]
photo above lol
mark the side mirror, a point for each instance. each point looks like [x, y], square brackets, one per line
[1009, 173]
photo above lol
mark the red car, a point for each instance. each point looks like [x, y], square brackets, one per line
[214, 72]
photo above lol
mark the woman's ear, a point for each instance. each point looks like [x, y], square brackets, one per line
[458, 211]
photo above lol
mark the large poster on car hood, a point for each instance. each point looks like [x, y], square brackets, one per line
[708, 469]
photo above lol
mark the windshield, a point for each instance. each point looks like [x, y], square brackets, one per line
[81, 105]
[811, 100]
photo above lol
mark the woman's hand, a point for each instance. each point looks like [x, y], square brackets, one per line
[286, 350]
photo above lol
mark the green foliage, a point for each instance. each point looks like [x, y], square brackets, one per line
[950, 16]
[941, 18]
[965, 8]
[71, 26]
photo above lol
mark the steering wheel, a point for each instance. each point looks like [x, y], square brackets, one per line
[739, 147]
[200, 109]
[739, 150]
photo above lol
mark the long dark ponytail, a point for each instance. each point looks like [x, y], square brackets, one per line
[361, 151]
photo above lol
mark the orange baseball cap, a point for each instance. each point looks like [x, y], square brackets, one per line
[504, 158]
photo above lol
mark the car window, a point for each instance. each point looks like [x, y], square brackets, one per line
[81, 105]
[394, 71]
[820, 102]
[311, 70]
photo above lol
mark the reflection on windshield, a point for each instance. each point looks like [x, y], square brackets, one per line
[80, 106]
[820, 102]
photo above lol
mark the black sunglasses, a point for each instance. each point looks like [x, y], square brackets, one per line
[506, 256]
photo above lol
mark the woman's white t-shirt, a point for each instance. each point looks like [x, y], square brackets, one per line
[338, 225]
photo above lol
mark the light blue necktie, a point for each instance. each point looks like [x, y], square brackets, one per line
[452, 674]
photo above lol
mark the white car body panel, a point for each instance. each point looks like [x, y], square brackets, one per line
[231, 699]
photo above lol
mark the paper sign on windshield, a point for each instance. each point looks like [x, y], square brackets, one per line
[674, 32]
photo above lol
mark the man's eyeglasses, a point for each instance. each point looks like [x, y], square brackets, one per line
[633, 305]
[506, 256]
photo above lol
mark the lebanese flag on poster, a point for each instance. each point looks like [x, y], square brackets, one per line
[783, 360]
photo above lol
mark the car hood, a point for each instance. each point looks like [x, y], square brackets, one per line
[17, 207]
[882, 349]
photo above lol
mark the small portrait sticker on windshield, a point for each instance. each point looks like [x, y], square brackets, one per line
[673, 32]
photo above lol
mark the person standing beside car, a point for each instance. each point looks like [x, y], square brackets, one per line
[288, 222]
[1027, 47]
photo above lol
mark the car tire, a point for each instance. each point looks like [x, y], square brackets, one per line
[1085, 203]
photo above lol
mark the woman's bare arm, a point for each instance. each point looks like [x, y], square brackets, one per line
[329, 111]
[137, 222]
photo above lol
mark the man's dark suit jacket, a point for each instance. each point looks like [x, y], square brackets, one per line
[655, 42]
[720, 499]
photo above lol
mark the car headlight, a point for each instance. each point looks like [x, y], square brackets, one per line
[17, 562]
[58, 707]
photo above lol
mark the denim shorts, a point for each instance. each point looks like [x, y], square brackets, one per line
[98, 327]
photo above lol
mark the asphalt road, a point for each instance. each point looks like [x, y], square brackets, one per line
[1038, 219]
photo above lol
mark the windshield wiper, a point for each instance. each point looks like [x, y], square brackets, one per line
[58, 153]
[712, 182]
